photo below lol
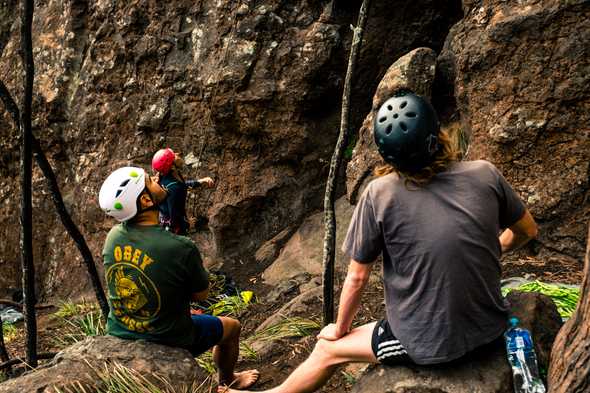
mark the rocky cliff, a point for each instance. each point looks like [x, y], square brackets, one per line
[248, 90]
[521, 80]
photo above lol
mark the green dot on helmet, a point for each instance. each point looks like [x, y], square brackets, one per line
[118, 205]
[133, 174]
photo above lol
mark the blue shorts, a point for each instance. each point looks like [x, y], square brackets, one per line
[208, 332]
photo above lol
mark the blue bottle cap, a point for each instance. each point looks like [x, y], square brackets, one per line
[513, 321]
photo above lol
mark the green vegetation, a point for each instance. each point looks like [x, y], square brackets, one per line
[565, 298]
[288, 327]
[9, 332]
[350, 147]
[205, 360]
[349, 378]
[70, 309]
[120, 379]
[219, 303]
[3, 376]
[231, 306]
[79, 321]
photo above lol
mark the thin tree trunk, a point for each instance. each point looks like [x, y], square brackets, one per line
[569, 368]
[3, 353]
[28, 266]
[65, 217]
[329, 215]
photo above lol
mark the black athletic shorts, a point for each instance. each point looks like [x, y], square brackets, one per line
[389, 351]
[386, 347]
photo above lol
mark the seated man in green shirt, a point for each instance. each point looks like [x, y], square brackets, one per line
[152, 276]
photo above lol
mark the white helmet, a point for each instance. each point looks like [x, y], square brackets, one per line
[119, 192]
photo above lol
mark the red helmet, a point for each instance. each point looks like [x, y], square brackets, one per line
[163, 160]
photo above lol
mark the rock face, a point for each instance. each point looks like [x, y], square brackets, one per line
[304, 251]
[414, 71]
[82, 362]
[519, 72]
[249, 90]
[484, 371]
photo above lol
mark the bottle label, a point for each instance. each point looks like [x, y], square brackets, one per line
[519, 342]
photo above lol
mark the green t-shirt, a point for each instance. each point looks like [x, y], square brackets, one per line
[151, 275]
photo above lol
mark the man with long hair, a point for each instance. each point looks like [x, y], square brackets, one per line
[441, 226]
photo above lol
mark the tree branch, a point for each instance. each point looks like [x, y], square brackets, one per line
[335, 163]
[26, 217]
[15, 361]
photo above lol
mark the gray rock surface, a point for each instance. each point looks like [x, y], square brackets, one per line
[303, 252]
[82, 361]
[296, 307]
[481, 372]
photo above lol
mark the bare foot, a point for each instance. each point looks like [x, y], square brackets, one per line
[242, 380]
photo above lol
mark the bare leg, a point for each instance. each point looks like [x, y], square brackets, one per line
[326, 356]
[225, 356]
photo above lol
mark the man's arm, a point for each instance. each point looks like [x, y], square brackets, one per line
[519, 234]
[205, 181]
[350, 299]
[200, 296]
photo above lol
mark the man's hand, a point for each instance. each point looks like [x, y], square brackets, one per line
[200, 296]
[331, 333]
[191, 222]
[207, 182]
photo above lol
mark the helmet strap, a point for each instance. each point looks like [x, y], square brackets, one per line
[154, 206]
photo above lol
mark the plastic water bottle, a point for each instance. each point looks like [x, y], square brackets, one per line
[522, 359]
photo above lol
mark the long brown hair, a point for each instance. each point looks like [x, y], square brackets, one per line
[447, 154]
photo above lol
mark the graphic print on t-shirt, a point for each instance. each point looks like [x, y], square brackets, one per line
[135, 299]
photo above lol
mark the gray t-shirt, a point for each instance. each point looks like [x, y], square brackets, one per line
[441, 253]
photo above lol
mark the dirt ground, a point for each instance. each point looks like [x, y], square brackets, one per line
[277, 366]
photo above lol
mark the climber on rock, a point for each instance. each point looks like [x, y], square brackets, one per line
[435, 221]
[168, 165]
[152, 275]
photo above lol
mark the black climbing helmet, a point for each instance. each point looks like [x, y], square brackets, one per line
[405, 131]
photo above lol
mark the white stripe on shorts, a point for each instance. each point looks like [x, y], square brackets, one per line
[390, 349]
[388, 354]
[385, 343]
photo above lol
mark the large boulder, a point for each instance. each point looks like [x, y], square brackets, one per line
[482, 372]
[520, 76]
[303, 252]
[414, 71]
[249, 90]
[85, 362]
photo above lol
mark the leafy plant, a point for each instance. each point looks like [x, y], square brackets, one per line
[79, 321]
[349, 378]
[565, 298]
[205, 360]
[231, 305]
[69, 309]
[288, 327]
[9, 331]
[350, 148]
